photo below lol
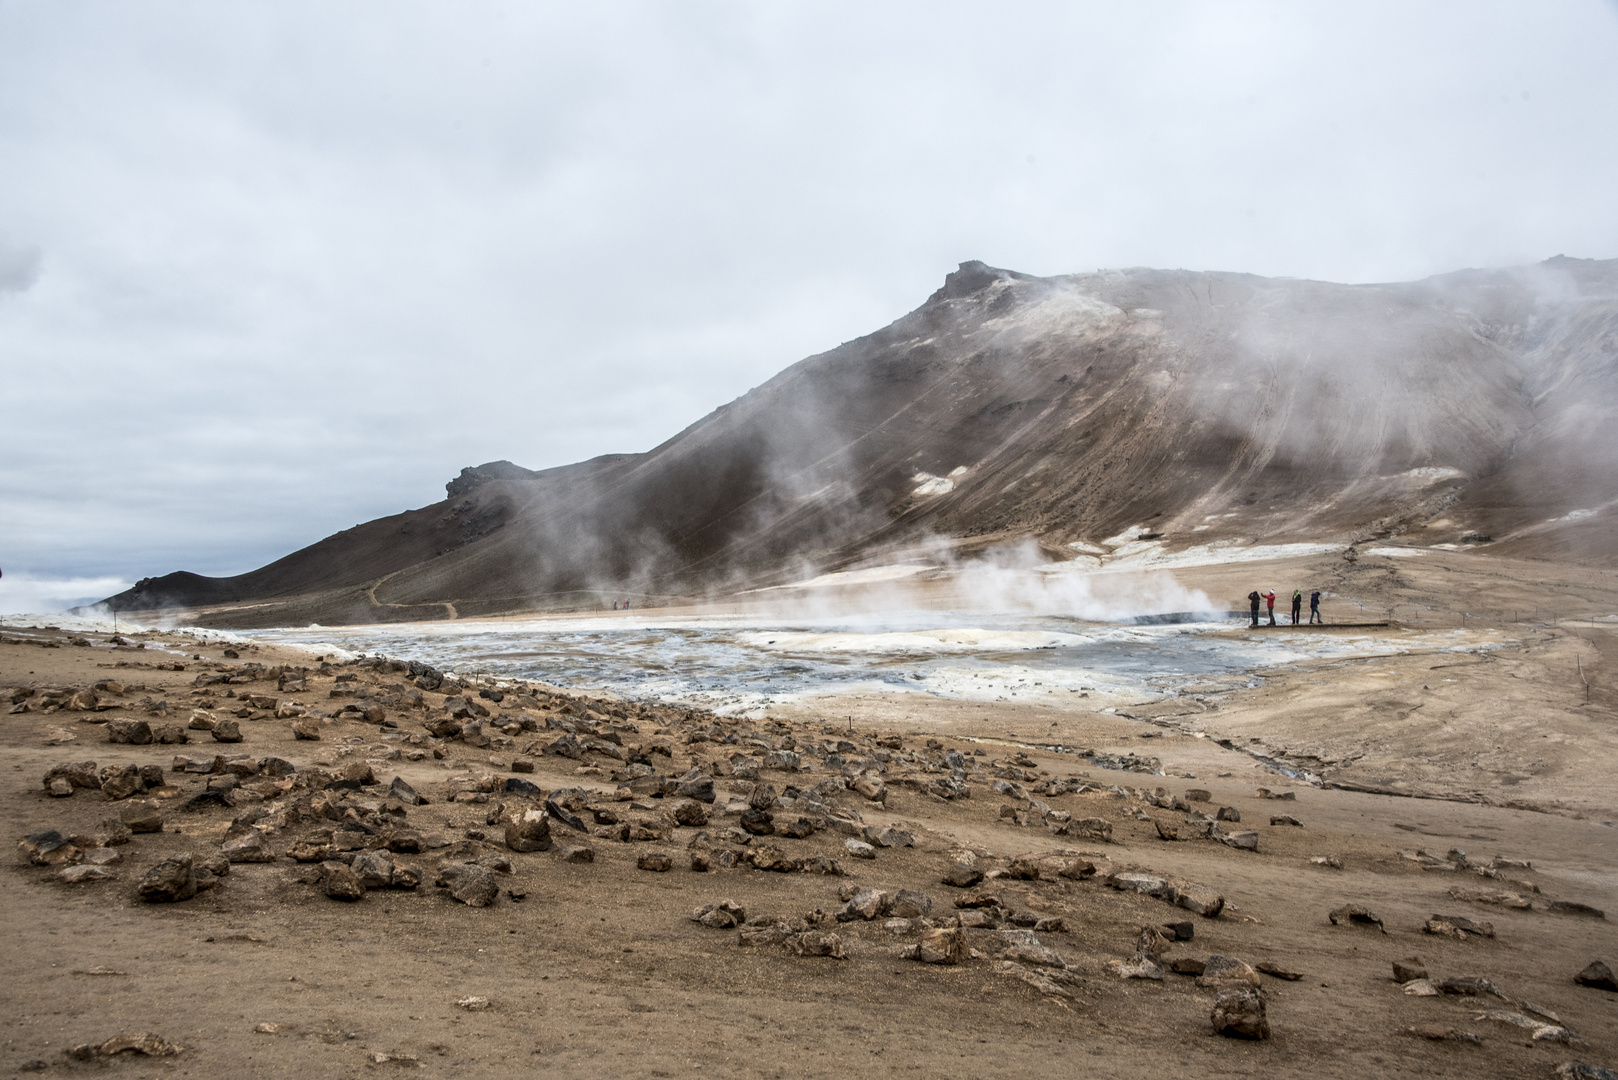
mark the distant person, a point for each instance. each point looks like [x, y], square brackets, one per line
[1253, 599]
[1314, 608]
[1269, 602]
[615, 605]
[626, 605]
[1297, 605]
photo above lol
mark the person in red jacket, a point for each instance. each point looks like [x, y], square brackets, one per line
[1269, 603]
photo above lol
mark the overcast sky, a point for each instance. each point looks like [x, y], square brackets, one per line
[269, 270]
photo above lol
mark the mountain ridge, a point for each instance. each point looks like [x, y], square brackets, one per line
[1218, 407]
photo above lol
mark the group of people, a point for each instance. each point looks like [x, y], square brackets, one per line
[1268, 598]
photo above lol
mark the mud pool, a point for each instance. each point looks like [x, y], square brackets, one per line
[737, 664]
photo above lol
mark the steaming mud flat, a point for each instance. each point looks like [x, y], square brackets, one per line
[745, 665]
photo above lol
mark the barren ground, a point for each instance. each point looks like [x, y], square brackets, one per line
[598, 969]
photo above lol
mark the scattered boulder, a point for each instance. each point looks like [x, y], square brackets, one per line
[406, 794]
[226, 730]
[134, 732]
[1141, 967]
[1219, 972]
[655, 861]
[1409, 970]
[137, 1043]
[865, 904]
[758, 822]
[1276, 971]
[1440, 1033]
[1242, 840]
[961, 875]
[944, 945]
[1239, 1014]
[306, 727]
[531, 831]
[77, 875]
[720, 916]
[471, 884]
[251, 847]
[577, 853]
[1596, 975]
[1285, 819]
[1575, 1070]
[1355, 915]
[1199, 900]
[340, 882]
[910, 905]
[171, 880]
[76, 774]
[1458, 927]
[691, 813]
[873, 788]
[861, 850]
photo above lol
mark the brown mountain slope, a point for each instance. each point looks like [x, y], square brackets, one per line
[1206, 406]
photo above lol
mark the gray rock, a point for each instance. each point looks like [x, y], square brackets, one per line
[226, 730]
[892, 837]
[77, 875]
[1199, 899]
[373, 869]
[910, 905]
[1241, 840]
[859, 849]
[577, 853]
[472, 885]
[698, 786]
[655, 861]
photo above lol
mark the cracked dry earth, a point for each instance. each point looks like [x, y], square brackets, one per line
[592, 887]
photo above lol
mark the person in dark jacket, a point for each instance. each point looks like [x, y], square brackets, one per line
[1314, 608]
[1253, 598]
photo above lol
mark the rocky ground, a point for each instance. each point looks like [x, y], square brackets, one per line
[256, 862]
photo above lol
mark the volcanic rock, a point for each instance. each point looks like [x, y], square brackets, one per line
[944, 945]
[171, 880]
[1596, 975]
[250, 848]
[340, 882]
[529, 832]
[1239, 1013]
[1355, 915]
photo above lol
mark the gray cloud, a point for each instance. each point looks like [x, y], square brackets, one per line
[302, 262]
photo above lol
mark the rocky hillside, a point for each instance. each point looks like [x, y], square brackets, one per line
[1201, 406]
